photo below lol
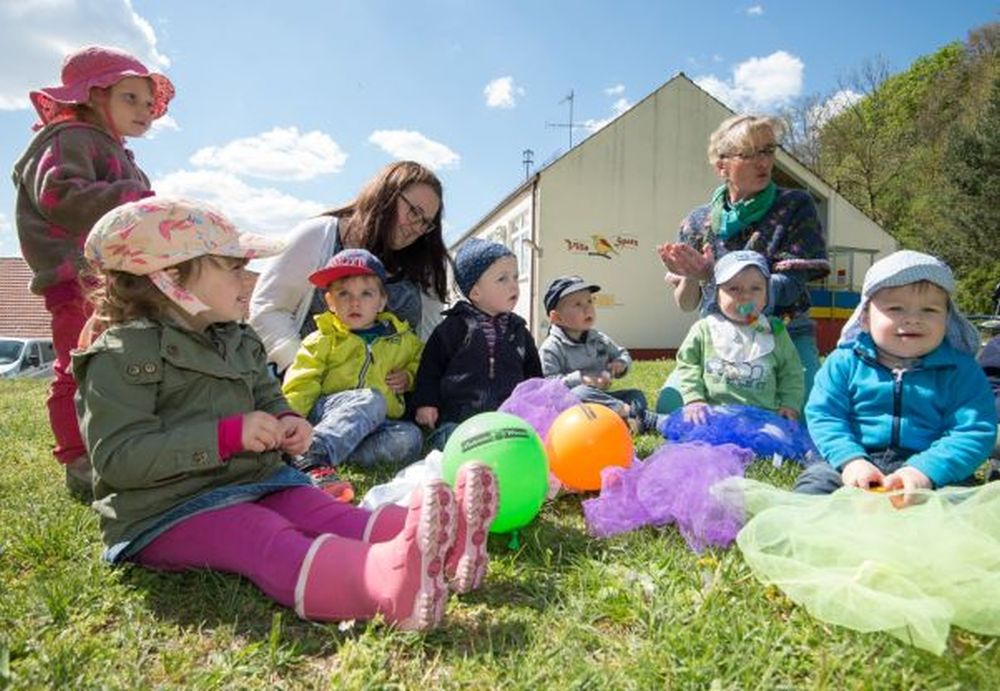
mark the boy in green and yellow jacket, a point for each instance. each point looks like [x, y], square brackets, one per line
[350, 374]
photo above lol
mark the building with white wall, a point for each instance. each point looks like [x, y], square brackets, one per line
[601, 209]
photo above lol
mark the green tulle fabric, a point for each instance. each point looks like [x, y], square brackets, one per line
[851, 558]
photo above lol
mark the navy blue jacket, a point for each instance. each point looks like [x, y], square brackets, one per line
[456, 375]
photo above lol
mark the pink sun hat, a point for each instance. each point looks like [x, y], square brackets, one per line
[99, 66]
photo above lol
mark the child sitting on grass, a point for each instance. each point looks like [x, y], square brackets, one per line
[901, 403]
[584, 358]
[186, 427]
[736, 354]
[482, 350]
[349, 375]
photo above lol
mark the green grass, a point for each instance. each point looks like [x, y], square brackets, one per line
[563, 610]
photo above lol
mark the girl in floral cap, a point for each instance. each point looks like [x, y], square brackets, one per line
[186, 430]
[74, 170]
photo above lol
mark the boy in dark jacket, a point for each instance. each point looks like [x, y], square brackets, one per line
[481, 351]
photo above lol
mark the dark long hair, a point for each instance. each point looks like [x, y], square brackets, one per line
[371, 217]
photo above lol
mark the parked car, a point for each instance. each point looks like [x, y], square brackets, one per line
[26, 357]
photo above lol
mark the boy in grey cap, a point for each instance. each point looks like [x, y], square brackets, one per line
[585, 359]
[901, 404]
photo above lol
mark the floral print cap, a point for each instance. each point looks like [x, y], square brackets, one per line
[154, 233]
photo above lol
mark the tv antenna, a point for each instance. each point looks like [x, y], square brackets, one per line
[528, 160]
[568, 125]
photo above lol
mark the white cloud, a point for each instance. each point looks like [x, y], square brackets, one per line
[502, 93]
[616, 90]
[833, 106]
[758, 83]
[163, 124]
[9, 245]
[755, 10]
[258, 209]
[281, 154]
[35, 36]
[413, 146]
[620, 106]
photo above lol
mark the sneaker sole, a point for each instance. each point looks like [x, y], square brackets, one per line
[478, 488]
[435, 536]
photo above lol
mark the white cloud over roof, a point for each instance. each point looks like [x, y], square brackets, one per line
[414, 146]
[502, 93]
[758, 83]
[283, 153]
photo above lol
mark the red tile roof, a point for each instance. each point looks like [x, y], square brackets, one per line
[22, 313]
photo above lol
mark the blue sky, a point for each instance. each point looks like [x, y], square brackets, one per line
[286, 108]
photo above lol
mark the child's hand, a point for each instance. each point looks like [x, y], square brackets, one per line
[861, 473]
[788, 413]
[296, 435]
[616, 368]
[598, 381]
[907, 479]
[261, 432]
[696, 413]
[397, 380]
[427, 416]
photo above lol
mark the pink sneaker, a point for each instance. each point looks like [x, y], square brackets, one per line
[477, 497]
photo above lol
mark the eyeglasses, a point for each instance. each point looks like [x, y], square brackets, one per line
[416, 215]
[762, 152]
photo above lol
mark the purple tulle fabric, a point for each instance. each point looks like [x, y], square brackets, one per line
[761, 431]
[539, 402]
[671, 486]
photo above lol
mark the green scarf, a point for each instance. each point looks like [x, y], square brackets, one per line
[727, 222]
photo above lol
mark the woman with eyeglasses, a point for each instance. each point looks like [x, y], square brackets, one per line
[748, 211]
[397, 217]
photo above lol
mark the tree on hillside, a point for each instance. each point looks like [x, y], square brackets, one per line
[972, 235]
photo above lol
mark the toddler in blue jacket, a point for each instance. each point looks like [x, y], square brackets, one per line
[901, 403]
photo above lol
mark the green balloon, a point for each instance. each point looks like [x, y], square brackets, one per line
[512, 448]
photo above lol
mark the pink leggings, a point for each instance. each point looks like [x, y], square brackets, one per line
[69, 310]
[265, 540]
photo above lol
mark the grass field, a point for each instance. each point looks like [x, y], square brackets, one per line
[563, 610]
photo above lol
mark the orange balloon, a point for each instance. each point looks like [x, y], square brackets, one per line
[585, 439]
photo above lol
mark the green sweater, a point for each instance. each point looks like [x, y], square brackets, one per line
[773, 381]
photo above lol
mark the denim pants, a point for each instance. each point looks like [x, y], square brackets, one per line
[634, 398]
[351, 427]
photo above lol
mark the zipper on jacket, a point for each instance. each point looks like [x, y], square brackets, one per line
[897, 406]
[369, 359]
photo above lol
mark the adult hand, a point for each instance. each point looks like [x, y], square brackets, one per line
[296, 435]
[908, 479]
[696, 413]
[261, 431]
[683, 260]
[788, 413]
[861, 473]
[616, 368]
[397, 380]
[427, 416]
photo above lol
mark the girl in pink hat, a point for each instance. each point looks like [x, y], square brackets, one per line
[74, 170]
[187, 429]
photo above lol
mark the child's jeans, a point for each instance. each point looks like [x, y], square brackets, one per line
[69, 310]
[634, 398]
[351, 427]
[823, 478]
[264, 540]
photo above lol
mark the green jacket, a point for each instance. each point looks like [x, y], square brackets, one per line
[333, 359]
[773, 381]
[151, 395]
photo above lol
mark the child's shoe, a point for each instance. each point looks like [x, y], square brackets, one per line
[326, 479]
[650, 421]
[477, 498]
[402, 579]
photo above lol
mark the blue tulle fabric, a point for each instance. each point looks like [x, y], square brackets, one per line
[761, 431]
[671, 486]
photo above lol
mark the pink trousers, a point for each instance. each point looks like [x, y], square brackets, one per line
[69, 310]
[265, 540]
